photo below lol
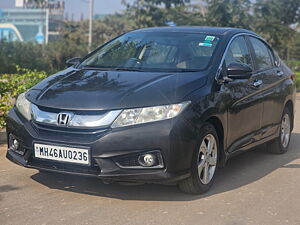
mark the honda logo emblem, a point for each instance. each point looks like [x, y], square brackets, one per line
[63, 119]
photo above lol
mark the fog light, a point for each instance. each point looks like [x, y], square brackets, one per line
[15, 144]
[147, 160]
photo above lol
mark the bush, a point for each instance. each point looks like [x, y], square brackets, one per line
[298, 80]
[11, 85]
[50, 58]
[294, 65]
[25, 54]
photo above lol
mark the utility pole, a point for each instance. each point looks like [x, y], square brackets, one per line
[91, 13]
[47, 27]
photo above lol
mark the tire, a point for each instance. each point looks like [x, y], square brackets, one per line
[204, 163]
[281, 143]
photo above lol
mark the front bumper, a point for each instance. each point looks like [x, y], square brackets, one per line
[172, 138]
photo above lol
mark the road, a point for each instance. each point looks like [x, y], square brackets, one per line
[254, 188]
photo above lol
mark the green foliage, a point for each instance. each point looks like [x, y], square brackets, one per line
[298, 80]
[294, 65]
[229, 13]
[168, 3]
[152, 13]
[11, 85]
[29, 55]
[110, 27]
[274, 20]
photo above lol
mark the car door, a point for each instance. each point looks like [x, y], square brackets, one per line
[244, 106]
[272, 86]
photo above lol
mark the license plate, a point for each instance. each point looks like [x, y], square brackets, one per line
[63, 154]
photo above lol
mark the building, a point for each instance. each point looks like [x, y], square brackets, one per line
[36, 22]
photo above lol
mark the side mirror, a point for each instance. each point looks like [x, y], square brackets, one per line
[238, 71]
[73, 61]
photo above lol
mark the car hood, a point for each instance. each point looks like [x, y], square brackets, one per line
[74, 89]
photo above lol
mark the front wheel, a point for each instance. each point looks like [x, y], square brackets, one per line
[204, 162]
[280, 144]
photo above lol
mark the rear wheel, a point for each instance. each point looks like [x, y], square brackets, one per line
[204, 162]
[280, 144]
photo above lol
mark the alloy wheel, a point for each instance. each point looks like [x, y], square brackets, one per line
[285, 130]
[207, 160]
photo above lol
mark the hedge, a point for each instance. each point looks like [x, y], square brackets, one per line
[11, 85]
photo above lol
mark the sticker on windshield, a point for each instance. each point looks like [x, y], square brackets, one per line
[205, 44]
[210, 38]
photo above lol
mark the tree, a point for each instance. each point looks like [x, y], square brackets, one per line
[150, 13]
[274, 19]
[229, 13]
[168, 3]
[144, 13]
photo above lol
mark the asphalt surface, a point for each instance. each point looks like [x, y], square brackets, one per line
[254, 188]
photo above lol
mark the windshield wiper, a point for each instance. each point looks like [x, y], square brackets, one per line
[111, 68]
[129, 69]
[183, 70]
[96, 68]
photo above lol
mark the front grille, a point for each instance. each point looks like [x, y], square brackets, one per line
[46, 127]
[93, 169]
[128, 161]
[74, 120]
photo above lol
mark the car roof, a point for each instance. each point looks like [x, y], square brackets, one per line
[197, 29]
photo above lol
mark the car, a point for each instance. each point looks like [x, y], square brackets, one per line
[166, 105]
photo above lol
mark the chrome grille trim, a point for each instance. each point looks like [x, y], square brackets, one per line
[80, 121]
[42, 116]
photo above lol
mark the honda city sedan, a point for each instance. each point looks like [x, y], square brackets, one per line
[157, 105]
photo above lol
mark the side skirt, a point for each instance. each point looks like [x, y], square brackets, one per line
[255, 139]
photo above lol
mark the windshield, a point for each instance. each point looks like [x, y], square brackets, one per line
[155, 51]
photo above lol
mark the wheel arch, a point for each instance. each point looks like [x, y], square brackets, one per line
[218, 125]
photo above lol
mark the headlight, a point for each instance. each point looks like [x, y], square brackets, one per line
[150, 114]
[24, 106]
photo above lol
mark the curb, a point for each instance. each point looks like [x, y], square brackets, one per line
[3, 137]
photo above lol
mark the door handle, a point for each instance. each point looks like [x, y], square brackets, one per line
[257, 83]
[279, 73]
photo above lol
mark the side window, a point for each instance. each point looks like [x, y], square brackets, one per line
[262, 54]
[238, 52]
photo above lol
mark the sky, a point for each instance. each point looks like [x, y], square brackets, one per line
[77, 7]
[100, 7]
